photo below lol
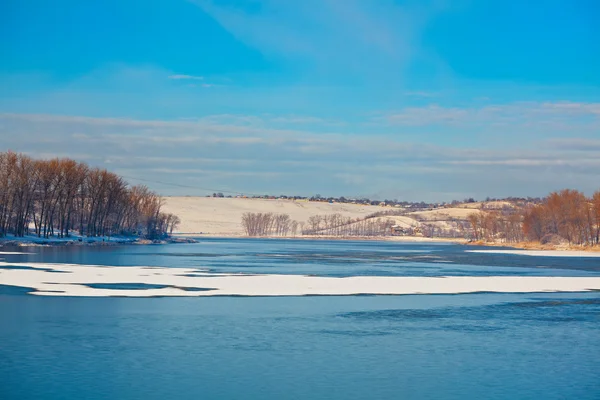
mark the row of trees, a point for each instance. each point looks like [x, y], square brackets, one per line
[567, 215]
[494, 226]
[338, 225]
[56, 197]
[269, 224]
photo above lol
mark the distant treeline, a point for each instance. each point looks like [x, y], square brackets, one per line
[338, 225]
[270, 224]
[567, 216]
[56, 197]
[414, 205]
[496, 226]
[562, 217]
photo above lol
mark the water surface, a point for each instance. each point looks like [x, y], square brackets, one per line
[492, 346]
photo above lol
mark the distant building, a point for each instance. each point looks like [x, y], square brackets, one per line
[399, 230]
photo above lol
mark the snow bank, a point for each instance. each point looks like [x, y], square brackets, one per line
[71, 280]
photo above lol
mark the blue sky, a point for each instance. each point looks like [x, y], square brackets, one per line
[431, 100]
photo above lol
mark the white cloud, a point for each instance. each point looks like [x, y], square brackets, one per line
[186, 77]
[254, 158]
[525, 162]
[572, 108]
[575, 144]
[421, 94]
[298, 119]
[556, 114]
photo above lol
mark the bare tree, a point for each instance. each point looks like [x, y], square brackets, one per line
[60, 195]
[268, 224]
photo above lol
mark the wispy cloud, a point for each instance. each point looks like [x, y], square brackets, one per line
[216, 153]
[519, 113]
[365, 36]
[298, 119]
[566, 160]
[186, 77]
[575, 144]
[202, 85]
[421, 94]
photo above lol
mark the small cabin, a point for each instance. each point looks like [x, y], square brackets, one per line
[399, 230]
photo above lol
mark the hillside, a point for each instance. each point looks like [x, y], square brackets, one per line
[223, 216]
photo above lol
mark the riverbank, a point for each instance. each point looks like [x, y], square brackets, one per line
[32, 240]
[538, 246]
[402, 239]
[545, 249]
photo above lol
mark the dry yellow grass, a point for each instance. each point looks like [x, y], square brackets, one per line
[223, 216]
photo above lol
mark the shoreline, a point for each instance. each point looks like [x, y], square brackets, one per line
[405, 239]
[178, 238]
[175, 238]
[537, 246]
[34, 241]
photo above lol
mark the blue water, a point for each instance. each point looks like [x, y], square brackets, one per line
[475, 346]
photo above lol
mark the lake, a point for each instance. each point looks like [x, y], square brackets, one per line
[482, 345]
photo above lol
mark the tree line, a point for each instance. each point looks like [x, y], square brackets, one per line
[338, 225]
[271, 224]
[54, 198]
[495, 225]
[268, 224]
[567, 216]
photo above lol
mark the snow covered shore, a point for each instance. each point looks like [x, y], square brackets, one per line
[75, 240]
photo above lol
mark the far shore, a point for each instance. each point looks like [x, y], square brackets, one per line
[537, 246]
[207, 217]
[193, 238]
[407, 239]
[415, 239]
